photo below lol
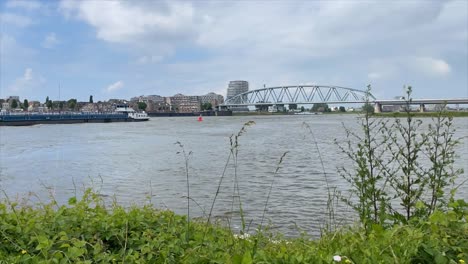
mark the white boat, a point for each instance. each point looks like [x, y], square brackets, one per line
[132, 114]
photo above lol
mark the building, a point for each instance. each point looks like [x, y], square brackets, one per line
[35, 106]
[14, 97]
[5, 106]
[117, 101]
[236, 87]
[157, 99]
[212, 98]
[185, 103]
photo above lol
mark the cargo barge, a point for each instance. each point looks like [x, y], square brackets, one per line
[121, 114]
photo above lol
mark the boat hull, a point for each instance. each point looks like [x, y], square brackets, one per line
[29, 120]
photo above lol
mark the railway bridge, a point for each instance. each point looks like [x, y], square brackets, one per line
[312, 94]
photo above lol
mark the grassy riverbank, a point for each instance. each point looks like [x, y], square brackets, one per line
[424, 114]
[386, 114]
[86, 231]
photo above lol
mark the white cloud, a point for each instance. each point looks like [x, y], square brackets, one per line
[115, 86]
[15, 20]
[28, 81]
[50, 41]
[310, 29]
[292, 32]
[121, 22]
[430, 66]
[279, 42]
[28, 5]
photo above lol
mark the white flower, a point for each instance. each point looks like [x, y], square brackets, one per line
[337, 258]
[242, 236]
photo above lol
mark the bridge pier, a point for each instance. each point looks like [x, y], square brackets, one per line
[422, 108]
[377, 108]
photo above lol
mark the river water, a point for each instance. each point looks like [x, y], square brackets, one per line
[139, 163]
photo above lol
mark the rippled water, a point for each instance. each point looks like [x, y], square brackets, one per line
[139, 163]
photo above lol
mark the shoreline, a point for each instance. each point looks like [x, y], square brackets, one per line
[385, 114]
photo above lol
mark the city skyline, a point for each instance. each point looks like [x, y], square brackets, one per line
[114, 49]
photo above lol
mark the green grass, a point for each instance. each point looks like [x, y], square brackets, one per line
[88, 231]
[419, 114]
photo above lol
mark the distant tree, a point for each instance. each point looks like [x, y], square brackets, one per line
[206, 106]
[49, 104]
[47, 99]
[368, 108]
[302, 109]
[14, 104]
[60, 105]
[71, 104]
[91, 99]
[320, 107]
[292, 106]
[25, 104]
[142, 105]
[342, 109]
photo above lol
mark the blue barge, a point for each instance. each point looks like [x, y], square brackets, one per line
[28, 119]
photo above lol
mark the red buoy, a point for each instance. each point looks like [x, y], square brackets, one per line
[200, 118]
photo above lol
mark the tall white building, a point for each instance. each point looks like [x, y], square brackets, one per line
[236, 87]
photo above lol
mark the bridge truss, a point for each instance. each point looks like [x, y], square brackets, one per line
[299, 94]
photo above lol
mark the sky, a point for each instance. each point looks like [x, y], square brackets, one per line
[120, 49]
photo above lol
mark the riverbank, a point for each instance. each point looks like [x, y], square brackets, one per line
[386, 114]
[86, 231]
[422, 114]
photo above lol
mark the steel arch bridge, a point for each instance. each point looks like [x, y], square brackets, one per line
[299, 94]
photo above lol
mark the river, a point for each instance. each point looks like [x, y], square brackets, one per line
[139, 163]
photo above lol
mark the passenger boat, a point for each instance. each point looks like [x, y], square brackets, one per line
[131, 113]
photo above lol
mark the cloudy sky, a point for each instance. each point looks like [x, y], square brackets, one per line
[120, 49]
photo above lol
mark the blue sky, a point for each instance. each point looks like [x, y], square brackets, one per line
[120, 49]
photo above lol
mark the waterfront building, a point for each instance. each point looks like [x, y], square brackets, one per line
[9, 100]
[157, 99]
[147, 98]
[159, 107]
[212, 98]
[185, 103]
[33, 106]
[236, 87]
[140, 98]
[117, 101]
[13, 97]
[5, 106]
[89, 107]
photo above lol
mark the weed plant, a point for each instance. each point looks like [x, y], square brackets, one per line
[88, 231]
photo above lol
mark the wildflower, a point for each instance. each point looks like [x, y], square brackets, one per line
[461, 261]
[337, 258]
[23, 251]
[242, 236]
